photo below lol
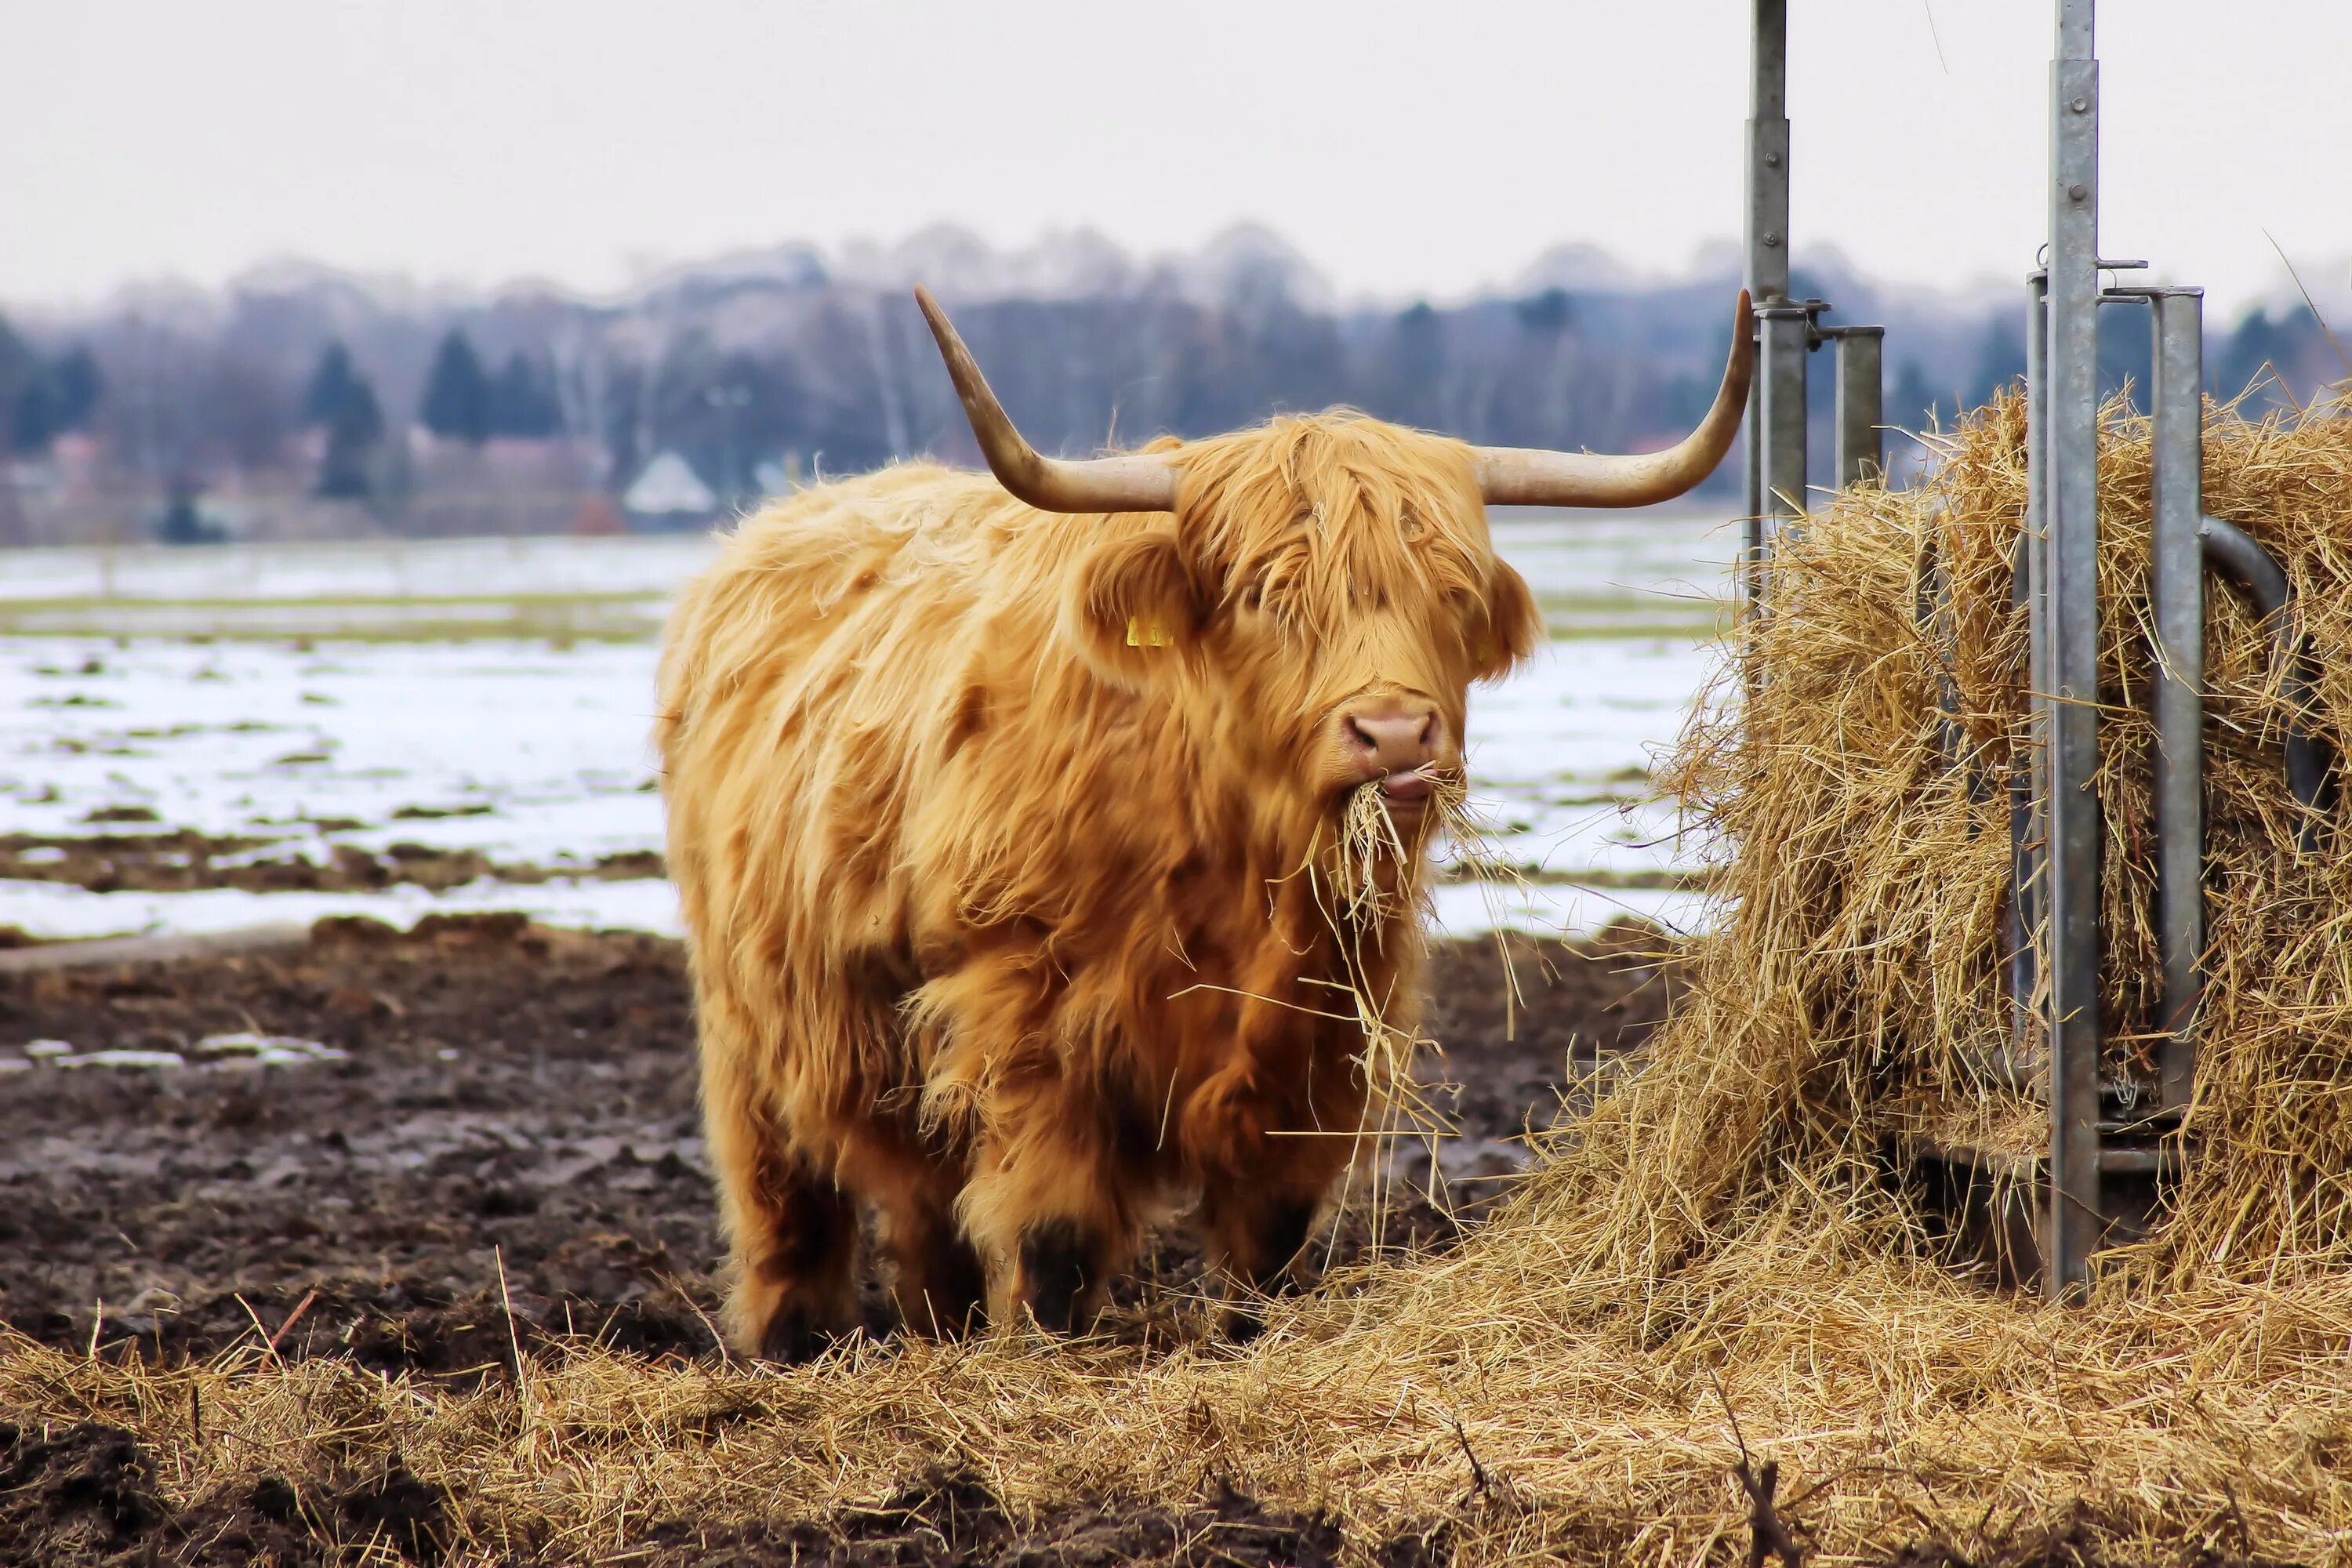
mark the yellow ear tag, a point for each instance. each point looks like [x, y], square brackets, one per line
[1482, 651]
[1140, 635]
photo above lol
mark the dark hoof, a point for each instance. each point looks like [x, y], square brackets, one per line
[1054, 1262]
[954, 1302]
[792, 1338]
[926, 1320]
[1281, 1237]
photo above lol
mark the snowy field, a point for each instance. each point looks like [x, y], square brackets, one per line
[494, 695]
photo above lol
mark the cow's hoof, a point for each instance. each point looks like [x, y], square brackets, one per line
[792, 1338]
[1055, 1263]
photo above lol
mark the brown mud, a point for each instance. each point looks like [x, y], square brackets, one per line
[140, 855]
[508, 1154]
[181, 860]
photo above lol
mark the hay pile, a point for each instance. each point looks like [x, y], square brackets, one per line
[1871, 886]
[1710, 1258]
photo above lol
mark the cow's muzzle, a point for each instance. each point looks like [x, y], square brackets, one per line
[1399, 743]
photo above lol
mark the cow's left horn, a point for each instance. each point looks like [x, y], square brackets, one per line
[1521, 476]
[1139, 482]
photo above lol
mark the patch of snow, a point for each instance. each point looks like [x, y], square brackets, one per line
[126, 1060]
[268, 1049]
[552, 739]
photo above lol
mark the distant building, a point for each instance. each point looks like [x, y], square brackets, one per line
[668, 492]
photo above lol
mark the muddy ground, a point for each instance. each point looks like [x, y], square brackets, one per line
[138, 854]
[519, 1099]
[508, 1094]
[180, 860]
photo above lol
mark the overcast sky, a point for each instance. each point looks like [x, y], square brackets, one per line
[1404, 148]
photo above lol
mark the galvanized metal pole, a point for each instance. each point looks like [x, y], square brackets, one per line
[2177, 592]
[1767, 154]
[2071, 714]
[2028, 829]
[1787, 332]
[1860, 403]
[1752, 527]
[1771, 417]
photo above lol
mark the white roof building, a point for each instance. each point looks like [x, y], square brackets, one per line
[668, 487]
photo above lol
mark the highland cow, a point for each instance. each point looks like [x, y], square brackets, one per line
[1005, 814]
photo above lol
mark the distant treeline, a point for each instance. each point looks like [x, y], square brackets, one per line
[747, 373]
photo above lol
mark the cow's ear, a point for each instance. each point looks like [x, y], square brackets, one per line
[1135, 608]
[1514, 625]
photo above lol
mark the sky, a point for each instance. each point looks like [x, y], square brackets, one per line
[1406, 149]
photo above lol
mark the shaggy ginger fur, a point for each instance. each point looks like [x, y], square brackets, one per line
[1004, 843]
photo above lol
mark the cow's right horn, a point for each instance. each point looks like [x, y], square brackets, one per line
[1521, 476]
[1139, 482]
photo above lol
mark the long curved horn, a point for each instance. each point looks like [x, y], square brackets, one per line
[1141, 482]
[1522, 475]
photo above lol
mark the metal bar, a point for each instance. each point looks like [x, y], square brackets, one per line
[1788, 331]
[1767, 154]
[1860, 403]
[1776, 413]
[2078, 30]
[2310, 761]
[2177, 592]
[1931, 613]
[2240, 556]
[1751, 547]
[2027, 832]
[2071, 720]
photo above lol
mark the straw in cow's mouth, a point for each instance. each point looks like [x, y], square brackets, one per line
[1370, 833]
[1359, 903]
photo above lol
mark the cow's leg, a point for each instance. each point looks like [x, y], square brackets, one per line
[942, 1290]
[798, 1279]
[1061, 1266]
[1045, 1208]
[1259, 1189]
[1255, 1231]
[940, 1287]
[792, 1232]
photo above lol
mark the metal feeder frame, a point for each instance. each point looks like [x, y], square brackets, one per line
[2114, 1144]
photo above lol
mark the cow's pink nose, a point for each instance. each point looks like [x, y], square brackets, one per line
[1394, 740]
